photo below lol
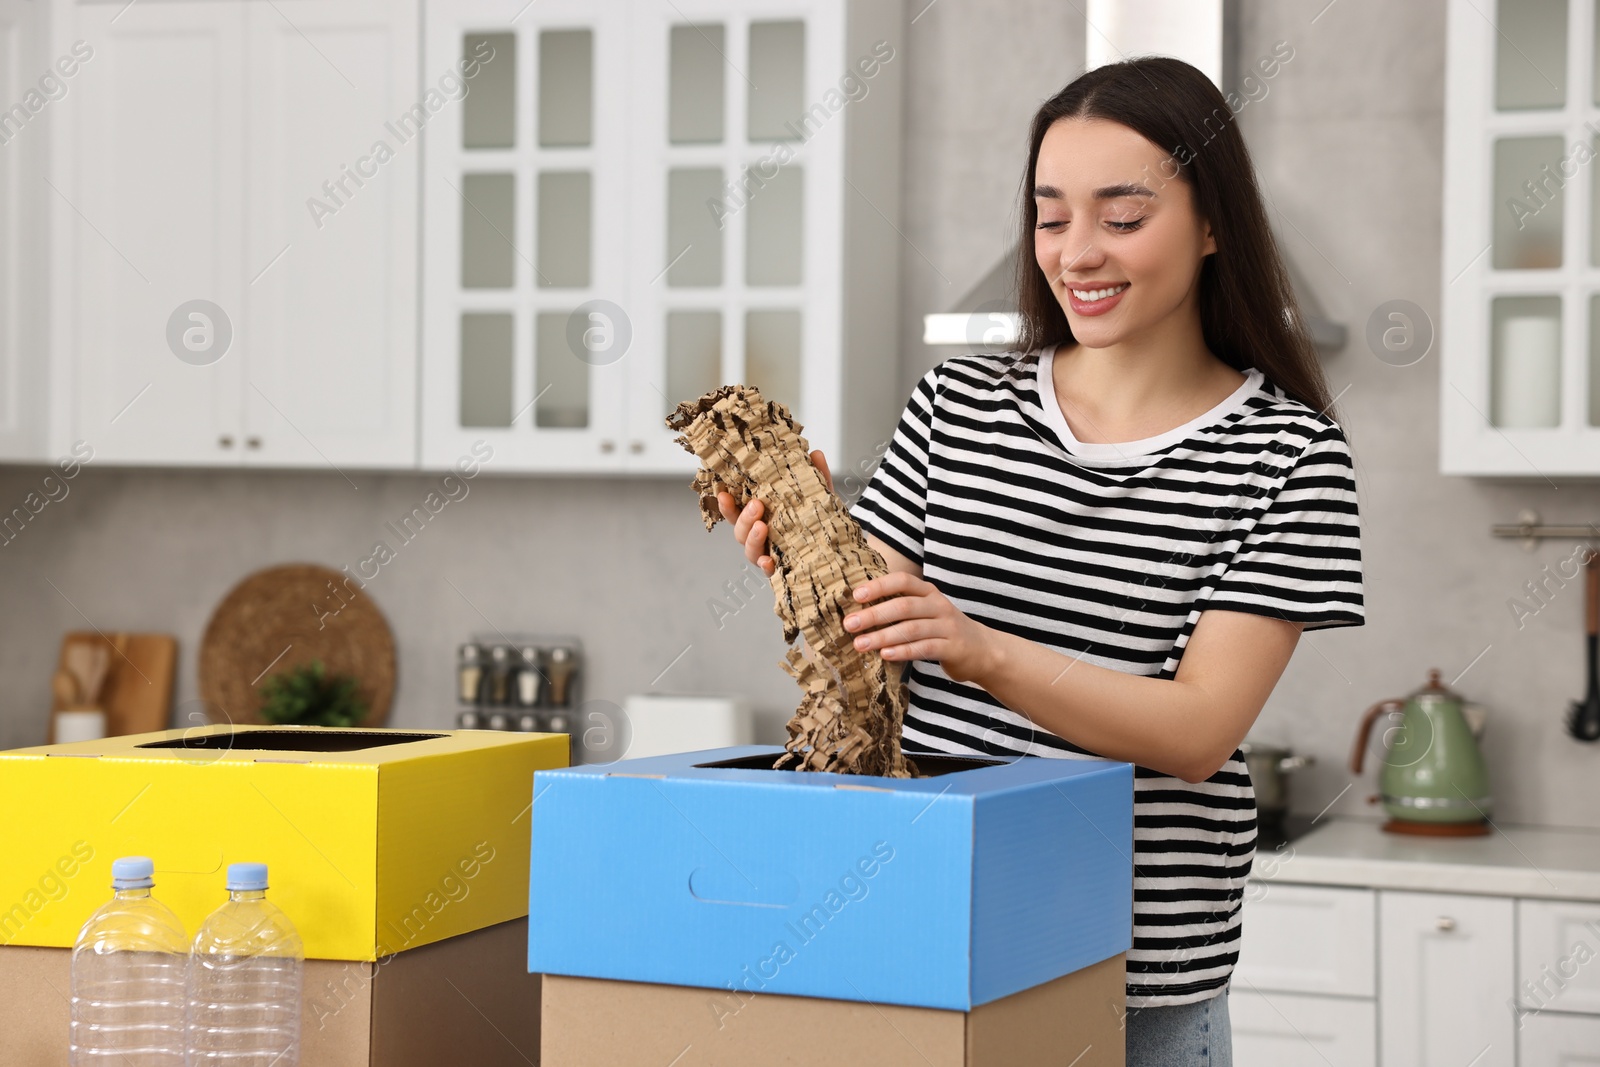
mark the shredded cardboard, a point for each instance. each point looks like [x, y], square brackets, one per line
[849, 718]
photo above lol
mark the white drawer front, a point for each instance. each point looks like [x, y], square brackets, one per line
[1308, 939]
[1558, 955]
[1548, 1040]
[1295, 1030]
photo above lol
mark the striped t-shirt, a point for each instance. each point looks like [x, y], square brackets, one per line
[1109, 553]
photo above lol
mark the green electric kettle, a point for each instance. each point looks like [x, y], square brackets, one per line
[1434, 780]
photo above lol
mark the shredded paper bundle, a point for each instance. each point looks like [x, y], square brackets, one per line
[849, 719]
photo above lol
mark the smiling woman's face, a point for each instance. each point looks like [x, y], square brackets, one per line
[1117, 235]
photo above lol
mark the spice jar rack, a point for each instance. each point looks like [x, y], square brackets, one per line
[526, 682]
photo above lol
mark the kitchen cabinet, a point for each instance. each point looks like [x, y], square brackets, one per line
[330, 242]
[1447, 974]
[148, 178]
[1558, 942]
[1551, 1040]
[1519, 338]
[1431, 973]
[637, 202]
[1482, 950]
[1306, 979]
[227, 153]
[275, 240]
[1310, 939]
[1294, 1030]
[23, 138]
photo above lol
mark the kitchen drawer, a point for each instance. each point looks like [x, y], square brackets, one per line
[1551, 1040]
[1556, 942]
[1295, 1030]
[1308, 939]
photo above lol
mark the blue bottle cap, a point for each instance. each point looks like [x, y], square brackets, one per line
[132, 872]
[244, 877]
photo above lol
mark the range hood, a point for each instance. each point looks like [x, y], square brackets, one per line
[1202, 32]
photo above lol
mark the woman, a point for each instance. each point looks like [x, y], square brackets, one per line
[1107, 543]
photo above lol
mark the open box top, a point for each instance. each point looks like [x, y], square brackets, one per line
[316, 744]
[377, 841]
[944, 774]
[944, 892]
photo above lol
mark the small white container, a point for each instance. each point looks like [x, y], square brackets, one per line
[662, 724]
[88, 724]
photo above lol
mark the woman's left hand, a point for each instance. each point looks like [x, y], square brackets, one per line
[919, 622]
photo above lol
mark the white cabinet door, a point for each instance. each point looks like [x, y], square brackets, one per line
[146, 194]
[1446, 978]
[527, 240]
[685, 186]
[1308, 939]
[1550, 1040]
[24, 380]
[743, 282]
[1556, 942]
[330, 255]
[1291, 1030]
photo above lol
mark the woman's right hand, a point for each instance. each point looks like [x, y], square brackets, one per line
[748, 528]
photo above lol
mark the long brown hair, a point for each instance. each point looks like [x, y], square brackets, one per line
[1248, 312]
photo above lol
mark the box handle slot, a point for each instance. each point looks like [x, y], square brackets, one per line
[712, 886]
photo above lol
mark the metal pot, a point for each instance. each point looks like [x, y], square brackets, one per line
[1267, 765]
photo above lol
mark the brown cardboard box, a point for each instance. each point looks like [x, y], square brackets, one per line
[468, 999]
[587, 1022]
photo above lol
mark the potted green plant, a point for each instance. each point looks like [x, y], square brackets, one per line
[308, 696]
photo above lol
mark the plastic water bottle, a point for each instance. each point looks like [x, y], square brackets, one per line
[128, 976]
[245, 979]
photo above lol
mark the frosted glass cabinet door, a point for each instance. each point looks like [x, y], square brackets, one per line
[1519, 394]
[671, 181]
[744, 162]
[158, 107]
[526, 323]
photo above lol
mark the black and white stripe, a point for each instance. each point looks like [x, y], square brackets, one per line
[1109, 553]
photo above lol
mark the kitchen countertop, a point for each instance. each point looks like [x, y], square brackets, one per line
[1519, 861]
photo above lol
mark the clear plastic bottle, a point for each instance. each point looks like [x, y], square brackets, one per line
[245, 974]
[128, 977]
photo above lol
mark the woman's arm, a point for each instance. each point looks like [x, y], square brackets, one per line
[751, 532]
[894, 558]
[1187, 726]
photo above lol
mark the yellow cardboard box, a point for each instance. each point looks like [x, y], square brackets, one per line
[377, 841]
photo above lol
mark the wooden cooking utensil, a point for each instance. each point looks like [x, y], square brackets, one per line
[1583, 717]
[135, 687]
[78, 659]
[65, 690]
[98, 661]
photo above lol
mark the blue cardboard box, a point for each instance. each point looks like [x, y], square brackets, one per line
[710, 869]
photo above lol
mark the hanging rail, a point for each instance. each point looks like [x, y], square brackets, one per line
[1530, 531]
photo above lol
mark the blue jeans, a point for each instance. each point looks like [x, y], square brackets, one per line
[1185, 1035]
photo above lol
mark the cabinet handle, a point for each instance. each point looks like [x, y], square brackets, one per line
[635, 446]
[225, 441]
[252, 442]
[1446, 924]
[608, 446]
